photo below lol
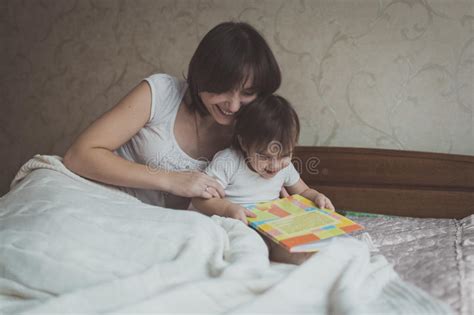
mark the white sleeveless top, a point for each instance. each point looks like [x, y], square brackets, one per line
[155, 144]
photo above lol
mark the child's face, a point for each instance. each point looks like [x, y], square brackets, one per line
[268, 163]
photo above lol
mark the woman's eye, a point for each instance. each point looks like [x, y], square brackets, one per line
[248, 93]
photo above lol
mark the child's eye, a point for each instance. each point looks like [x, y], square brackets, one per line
[262, 157]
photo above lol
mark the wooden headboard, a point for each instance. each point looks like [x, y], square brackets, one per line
[394, 182]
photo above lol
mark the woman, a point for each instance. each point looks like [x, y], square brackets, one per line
[158, 139]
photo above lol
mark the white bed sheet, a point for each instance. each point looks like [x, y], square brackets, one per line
[69, 245]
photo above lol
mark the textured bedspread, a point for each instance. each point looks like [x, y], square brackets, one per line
[436, 255]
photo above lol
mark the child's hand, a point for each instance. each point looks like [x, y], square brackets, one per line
[284, 193]
[238, 212]
[323, 202]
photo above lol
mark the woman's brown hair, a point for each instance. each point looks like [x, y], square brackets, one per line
[225, 59]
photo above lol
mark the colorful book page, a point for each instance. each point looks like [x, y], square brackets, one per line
[296, 222]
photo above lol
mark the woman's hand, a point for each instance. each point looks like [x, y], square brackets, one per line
[323, 202]
[238, 212]
[194, 184]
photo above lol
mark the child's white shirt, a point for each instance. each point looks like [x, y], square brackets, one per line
[244, 186]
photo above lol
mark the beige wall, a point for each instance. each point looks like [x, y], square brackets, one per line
[366, 73]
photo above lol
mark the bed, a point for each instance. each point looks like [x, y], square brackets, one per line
[424, 203]
[68, 244]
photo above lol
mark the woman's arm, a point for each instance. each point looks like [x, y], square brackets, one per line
[318, 198]
[91, 155]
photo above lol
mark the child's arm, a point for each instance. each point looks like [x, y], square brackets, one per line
[222, 167]
[319, 199]
[222, 207]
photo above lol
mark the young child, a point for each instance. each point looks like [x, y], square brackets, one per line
[258, 165]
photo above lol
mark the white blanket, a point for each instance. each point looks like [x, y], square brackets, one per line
[70, 245]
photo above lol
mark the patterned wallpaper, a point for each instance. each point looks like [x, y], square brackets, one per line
[393, 74]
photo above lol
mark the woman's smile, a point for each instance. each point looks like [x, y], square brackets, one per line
[224, 112]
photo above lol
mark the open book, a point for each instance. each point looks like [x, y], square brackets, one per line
[297, 224]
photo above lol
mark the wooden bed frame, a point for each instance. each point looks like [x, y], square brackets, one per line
[393, 182]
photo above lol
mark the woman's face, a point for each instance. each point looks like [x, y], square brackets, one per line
[223, 106]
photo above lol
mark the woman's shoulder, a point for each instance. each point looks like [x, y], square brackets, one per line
[161, 77]
[164, 81]
[166, 93]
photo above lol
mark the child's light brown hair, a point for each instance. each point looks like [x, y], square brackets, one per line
[267, 124]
